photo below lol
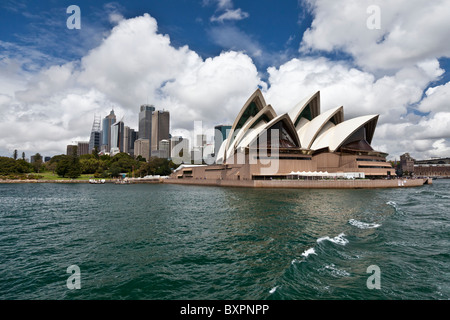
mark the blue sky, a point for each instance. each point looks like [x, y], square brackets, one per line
[201, 59]
[273, 27]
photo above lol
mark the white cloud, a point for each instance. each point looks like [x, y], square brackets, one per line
[227, 11]
[411, 31]
[437, 99]
[44, 110]
[341, 84]
[133, 65]
[392, 97]
[213, 91]
[229, 14]
[224, 4]
[231, 38]
[221, 4]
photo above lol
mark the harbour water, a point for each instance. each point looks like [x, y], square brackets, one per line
[159, 241]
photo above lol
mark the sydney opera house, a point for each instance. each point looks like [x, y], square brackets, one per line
[299, 145]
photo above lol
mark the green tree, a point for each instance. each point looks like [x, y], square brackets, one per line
[23, 155]
[74, 168]
[95, 153]
[37, 164]
[68, 166]
[22, 166]
[156, 166]
[15, 154]
[89, 166]
[122, 163]
[115, 170]
[62, 166]
[140, 158]
[7, 166]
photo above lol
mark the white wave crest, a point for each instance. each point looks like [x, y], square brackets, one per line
[363, 225]
[336, 271]
[340, 239]
[308, 252]
[393, 204]
[273, 289]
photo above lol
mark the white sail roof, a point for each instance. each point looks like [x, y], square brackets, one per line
[308, 133]
[250, 109]
[335, 136]
[289, 127]
[303, 126]
[313, 101]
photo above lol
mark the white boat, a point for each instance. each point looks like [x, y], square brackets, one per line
[93, 181]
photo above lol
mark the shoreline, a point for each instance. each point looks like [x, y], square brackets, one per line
[290, 184]
[11, 181]
[307, 184]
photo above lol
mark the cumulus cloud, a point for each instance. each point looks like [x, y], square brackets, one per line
[231, 38]
[225, 11]
[341, 84]
[45, 109]
[133, 65]
[392, 67]
[393, 97]
[437, 99]
[236, 14]
[410, 31]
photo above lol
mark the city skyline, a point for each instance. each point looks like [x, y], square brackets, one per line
[202, 61]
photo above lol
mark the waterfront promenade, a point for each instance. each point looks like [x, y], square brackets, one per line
[307, 184]
[287, 183]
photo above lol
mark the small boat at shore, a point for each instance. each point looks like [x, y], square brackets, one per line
[124, 181]
[94, 181]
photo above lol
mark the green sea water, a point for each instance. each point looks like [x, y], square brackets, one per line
[189, 242]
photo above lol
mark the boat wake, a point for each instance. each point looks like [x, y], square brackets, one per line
[363, 225]
[340, 239]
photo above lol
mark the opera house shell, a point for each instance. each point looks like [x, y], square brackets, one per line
[303, 142]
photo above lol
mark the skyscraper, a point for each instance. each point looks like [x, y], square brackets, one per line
[160, 128]
[141, 148]
[164, 149]
[94, 140]
[106, 131]
[72, 149]
[82, 148]
[129, 136]
[145, 123]
[117, 137]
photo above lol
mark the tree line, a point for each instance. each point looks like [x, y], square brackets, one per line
[73, 166]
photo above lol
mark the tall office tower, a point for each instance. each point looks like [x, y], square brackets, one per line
[160, 127]
[117, 141]
[126, 133]
[141, 148]
[145, 123]
[94, 140]
[82, 148]
[174, 141]
[180, 150]
[131, 139]
[200, 140]
[129, 136]
[71, 149]
[220, 134]
[106, 131]
[164, 149]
